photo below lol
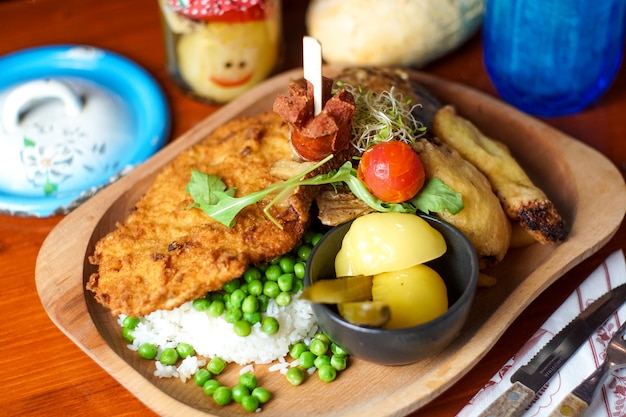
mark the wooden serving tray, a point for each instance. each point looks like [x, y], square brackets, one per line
[592, 201]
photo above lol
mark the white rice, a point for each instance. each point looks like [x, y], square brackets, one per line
[211, 337]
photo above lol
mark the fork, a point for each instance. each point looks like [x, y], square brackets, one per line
[577, 401]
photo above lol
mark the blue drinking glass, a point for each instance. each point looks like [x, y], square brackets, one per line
[553, 57]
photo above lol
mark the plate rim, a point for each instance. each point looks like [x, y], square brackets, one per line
[86, 217]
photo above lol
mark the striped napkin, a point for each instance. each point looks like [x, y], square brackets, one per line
[611, 400]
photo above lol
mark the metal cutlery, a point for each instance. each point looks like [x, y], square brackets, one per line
[530, 378]
[577, 401]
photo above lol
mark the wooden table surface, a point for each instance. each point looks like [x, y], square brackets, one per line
[43, 372]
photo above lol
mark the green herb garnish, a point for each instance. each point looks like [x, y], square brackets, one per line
[381, 117]
[212, 196]
[436, 197]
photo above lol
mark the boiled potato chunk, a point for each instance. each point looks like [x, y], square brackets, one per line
[380, 242]
[414, 295]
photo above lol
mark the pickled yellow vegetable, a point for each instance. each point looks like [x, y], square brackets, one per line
[339, 290]
[414, 295]
[381, 242]
[365, 313]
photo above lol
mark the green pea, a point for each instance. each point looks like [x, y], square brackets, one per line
[327, 373]
[184, 350]
[238, 392]
[232, 315]
[130, 322]
[216, 308]
[286, 264]
[304, 251]
[299, 269]
[237, 297]
[269, 325]
[339, 362]
[318, 347]
[222, 395]
[338, 350]
[128, 335]
[271, 289]
[323, 337]
[285, 282]
[250, 402]
[283, 298]
[216, 295]
[308, 236]
[307, 359]
[262, 394]
[296, 349]
[201, 304]
[264, 301]
[210, 386]
[317, 238]
[248, 380]
[216, 365]
[321, 361]
[298, 286]
[295, 375]
[242, 328]
[201, 377]
[231, 286]
[252, 274]
[244, 288]
[147, 351]
[255, 287]
[226, 300]
[250, 304]
[252, 318]
[273, 272]
[169, 356]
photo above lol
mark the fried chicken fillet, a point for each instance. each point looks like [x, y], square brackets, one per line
[521, 199]
[165, 254]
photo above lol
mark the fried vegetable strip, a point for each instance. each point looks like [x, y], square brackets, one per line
[482, 220]
[521, 199]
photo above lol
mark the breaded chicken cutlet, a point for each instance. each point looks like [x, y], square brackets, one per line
[166, 254]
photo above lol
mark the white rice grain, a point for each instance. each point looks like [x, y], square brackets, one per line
[211, 337]
[189, 366]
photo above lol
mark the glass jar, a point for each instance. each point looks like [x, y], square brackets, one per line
[553, 57]
[218, 49]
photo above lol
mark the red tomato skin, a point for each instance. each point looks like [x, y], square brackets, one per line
[392, 171]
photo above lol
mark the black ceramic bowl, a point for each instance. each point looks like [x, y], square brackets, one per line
[459, 269]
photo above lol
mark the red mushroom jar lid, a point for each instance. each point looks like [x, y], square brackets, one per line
[230, 11]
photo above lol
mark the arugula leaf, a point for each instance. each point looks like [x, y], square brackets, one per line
[211, 195]
[436, 197]
[203, 188]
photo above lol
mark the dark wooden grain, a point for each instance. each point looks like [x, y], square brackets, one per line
[43, 372]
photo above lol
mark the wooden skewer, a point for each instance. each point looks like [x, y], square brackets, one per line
[312, 65]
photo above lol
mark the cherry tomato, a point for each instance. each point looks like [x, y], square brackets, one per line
[392, 171]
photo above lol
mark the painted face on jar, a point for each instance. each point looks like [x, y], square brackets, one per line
[220, 53]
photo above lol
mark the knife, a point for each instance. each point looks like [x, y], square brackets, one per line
[530, 378]
[577, 401]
